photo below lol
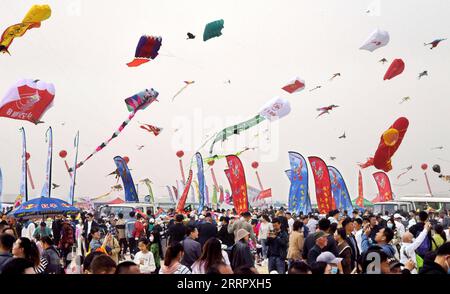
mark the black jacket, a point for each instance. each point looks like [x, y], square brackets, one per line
[310, 242]
[432, 268]
[313, 254]
[4, 259]
[225, 237]
[241, 256]
[278, 246]
[87, 234]
[206, 231]
[176, 233]
[53, 258]
[351, 240]
[417, 229]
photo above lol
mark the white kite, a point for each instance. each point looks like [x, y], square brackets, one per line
[377, 39]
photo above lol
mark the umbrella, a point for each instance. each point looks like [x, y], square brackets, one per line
[43, 206]
[366, 203]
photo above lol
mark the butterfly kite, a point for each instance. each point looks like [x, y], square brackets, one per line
[146, 50]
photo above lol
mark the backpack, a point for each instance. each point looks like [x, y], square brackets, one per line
[424, 247]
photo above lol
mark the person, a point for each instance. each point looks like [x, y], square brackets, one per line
[409, 247]
[382, 239]
[299, 268]
[114, 248]
[296, 242]
[345, 251]
[42, 231]
[358, 232]
[241, 254]
[57, 228]
[88, 225]
[398, 224]
[192, 248]
[103, 265]
[212, 255]
[52, 255]
[220, 268]
[120, 227]
[245, 270]
[310, 241]
[67, 240]
[127, 268]
[355, 214]
[139, 228]
[367, 265]
[244, 223]
[264, 229]
[419, 227]
[223, 235]
[441, 264]
[319, 268]
[312, 224]
[412, 219]
[172, 265]
[18, 266]
[28, 229]
[156, 249]
[290, 221]
[334, 264]
[24, 248]
[374, 227]
[144, 258]
[439, 237]
[277, 242]
[6, 245]
[349, 227]
[320, 244]
[129, 229]
[333, 216]
[95, 239]
[177, 231]
[206, 230]
[88, 261]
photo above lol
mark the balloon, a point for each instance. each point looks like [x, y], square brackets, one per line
[255, 164]
[63, 153]
[437, 168]
[211, 162]
[390, 137]
[28, 156]
[424, 166]
[180, 153]
[126, 159]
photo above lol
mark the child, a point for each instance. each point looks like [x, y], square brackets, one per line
[144, 258]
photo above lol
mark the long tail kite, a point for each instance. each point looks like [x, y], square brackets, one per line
[187, 83]
[151, 129]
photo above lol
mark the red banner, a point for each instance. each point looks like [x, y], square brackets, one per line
[325, 201]
[236, 177]
[182, 201]
[360, 199]
[384, 186]
[221, 197]
[265, 194]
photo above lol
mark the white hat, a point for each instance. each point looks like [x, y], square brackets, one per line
[152, 220]
[397, 215]
[328, 257]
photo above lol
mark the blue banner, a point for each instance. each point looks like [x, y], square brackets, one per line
[339, 190]
[127, 180]
[201, 181]
[299, 201]
[23, 180]
[47, 188]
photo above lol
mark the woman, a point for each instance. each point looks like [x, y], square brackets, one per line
[345, 252]
[223, 235]
[296, 242]
[156, 249]
[241, 254]
[114, 247]
[24, 248]
[212, 255]
[439, 237]
[264, 229]
[172, 260]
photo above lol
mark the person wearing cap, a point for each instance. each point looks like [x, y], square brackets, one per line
[334, 264]
[398, 224]
[244, 223]
[241, 255]
[321, 240]
[277, 242]
[310, 241]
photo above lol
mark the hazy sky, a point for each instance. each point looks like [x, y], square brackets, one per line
[84, 46]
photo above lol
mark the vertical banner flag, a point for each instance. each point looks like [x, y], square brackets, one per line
[360, 199]
[23, 181]
[339, 190]
[127, 180]
[236, 177]
[221, 197]
[207, 195]
[325, 201]
[214, 198]
[171, 194]
[76, 142]
[182, 201]
[47, 188]
[201, 181]
[384, 186]
[148, 183]
[175, 193]
[227, 196]
[298, 191]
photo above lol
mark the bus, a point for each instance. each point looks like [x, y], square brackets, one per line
[408, 203]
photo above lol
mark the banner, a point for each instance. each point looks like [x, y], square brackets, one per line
[228, 199]
[76, 142]
[201, 181]
[221, 197]
[384, 186]
[47, 189]
[325, 201]
[127, 180]
[171, 194]
[265, 194]
[298, 192]
[214, 198]
[236, 177]
[182, 201]
[23, 181]
[175, 193]
[360, 199]
[339, 190]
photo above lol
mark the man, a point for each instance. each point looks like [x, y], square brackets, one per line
[398, 224]
[127, 268]
[88, 225]
[56, 229]
[355, 214]
[382, 239]
[312, 224]
[42, 231]
[120, 226]
[6, 245]
[129, 229]
[374, 227]
[177, 231]
[349, 227]
[139, 228]
[299, 268]
[206, 230]
[320, 243]
[441, 264]
[290, 221]
[358, 232]
[277, 242]
[192, 248]
[28, 229]
[409, 247]
[310, 241]
[417, 229]
[244, 223]
[412, 219]
[333, 216]
[103, 265]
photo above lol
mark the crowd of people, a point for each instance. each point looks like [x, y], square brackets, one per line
[268, 240]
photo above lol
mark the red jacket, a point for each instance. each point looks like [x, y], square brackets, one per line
[139, 230]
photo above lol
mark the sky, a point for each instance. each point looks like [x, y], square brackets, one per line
[85, 45]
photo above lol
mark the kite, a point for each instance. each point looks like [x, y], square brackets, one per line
[389, 142]
[54, 186]
[213, 29]
[187, 83]
[295, 85]
[190, 36]
[422, 74]
[139, 147]
[342, 136]
[368, 163]
[383, 60]
[404, 99]
[407, 170]
[439, 147]
[315, 88]
[28, 100]
[146, 50]
[397, 66]
[334, 76]
[376, 40]
[332, 158]
[326, 109]
[137, 102]
[274, 109]
[151, 129]
[434, 43]
[32, 19]
[218, 157]
[410, 181]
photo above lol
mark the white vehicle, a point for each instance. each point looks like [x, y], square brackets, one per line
[408, 203]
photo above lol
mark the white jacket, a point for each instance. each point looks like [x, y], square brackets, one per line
[27, 232]
[148, 262]
[408, 250]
